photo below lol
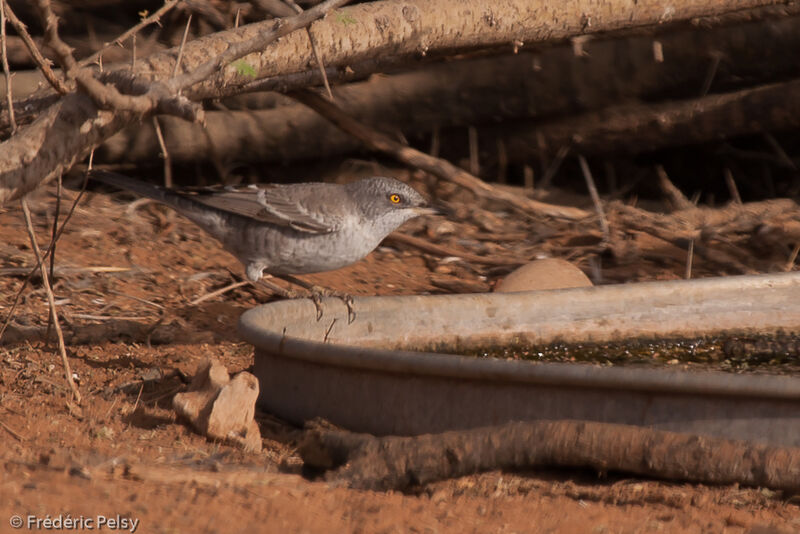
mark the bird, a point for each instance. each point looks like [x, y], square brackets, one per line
[288, 229]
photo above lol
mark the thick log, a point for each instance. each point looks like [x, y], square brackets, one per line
[641, 128]
[550, 83]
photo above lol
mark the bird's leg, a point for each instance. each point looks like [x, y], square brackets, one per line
[318, 292]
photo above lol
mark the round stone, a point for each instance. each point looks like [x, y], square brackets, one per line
[548, 273]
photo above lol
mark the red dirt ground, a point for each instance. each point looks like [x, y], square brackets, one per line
[121, 451]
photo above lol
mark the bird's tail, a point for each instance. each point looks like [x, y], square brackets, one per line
[204, 216]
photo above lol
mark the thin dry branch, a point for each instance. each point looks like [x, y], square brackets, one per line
[6, 68]
[674, 195]
[62, 348]
[222, 291]
[131, 32]
[38, 58]
[380, 142]
[598, 204]
[315, 51]
[164, 153]
[53, 39]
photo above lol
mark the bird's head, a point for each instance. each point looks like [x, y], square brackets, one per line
[387, 202]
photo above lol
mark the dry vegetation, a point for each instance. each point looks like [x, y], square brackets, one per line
[635, 141]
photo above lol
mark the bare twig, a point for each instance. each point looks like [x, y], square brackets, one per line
[138, 397]
[38, 58]
[527, 174]
[474, 159]
[218, 292]
[320, 64]
[93, 317]
[183, 44]
[779, 151]
[164, 153]
[315, 51]
[598, 205]
[502, 161]
[131, 32]
[792, 258]
[552, 169]
[674, 195]
[53, 39]
[52, 247]
[137, 299]
[133, 52]
[15, 434]
[712, 72]
[6, 69]
[51, 299]
[734, 191]
[436, 142]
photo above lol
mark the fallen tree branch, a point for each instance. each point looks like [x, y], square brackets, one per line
[641, 128]
[439, 167]
[409, 28]
[72, 127]
[396, 463]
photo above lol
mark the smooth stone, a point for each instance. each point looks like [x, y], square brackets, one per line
[548, 273]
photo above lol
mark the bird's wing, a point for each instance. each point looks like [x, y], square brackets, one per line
[273, 204]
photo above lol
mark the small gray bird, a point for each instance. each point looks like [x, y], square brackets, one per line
[291, 229]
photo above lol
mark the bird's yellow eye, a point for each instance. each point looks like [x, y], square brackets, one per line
[394, 198]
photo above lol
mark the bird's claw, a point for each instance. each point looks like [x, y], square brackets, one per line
[319, 292]
[316, 293]
[316, 298]
[351, 312]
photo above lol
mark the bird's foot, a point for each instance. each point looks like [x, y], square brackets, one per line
[318, 292]
[280, 291]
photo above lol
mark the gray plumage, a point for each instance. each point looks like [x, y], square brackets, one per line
[291, 229]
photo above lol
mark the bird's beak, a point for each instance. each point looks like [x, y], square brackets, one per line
[428, 210]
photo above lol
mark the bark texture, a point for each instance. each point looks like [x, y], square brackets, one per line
[383, 463]
[538, 85]
[409, 28]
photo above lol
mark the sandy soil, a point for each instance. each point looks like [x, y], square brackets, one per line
[121, 451]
